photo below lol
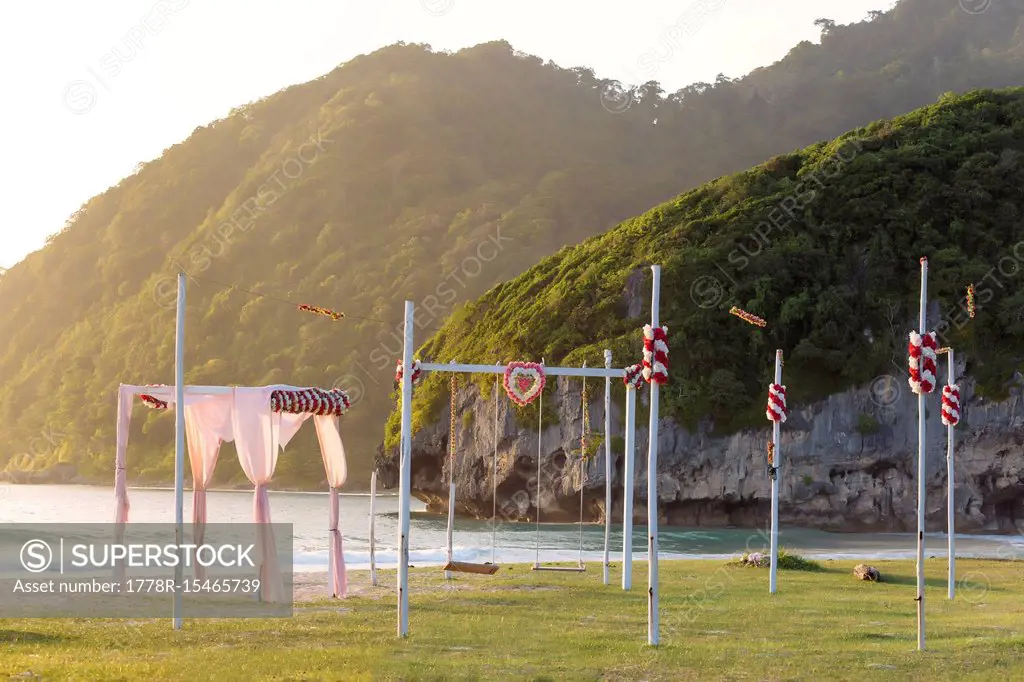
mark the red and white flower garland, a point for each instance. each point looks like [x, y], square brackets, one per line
[317, 401]
[950, 404]
[154, 402]
[634, 376]
[776, 410]
[655, 354]
[922, 362]
[416, 372]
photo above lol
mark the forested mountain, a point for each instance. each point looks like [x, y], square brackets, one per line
[413, 174]
[823, 244]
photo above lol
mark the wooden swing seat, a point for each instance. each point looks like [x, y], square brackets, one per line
[467, 567]
[570, 569]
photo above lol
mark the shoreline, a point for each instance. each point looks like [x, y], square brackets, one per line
[973, 533]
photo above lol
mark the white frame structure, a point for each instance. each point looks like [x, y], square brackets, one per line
[405, 465]
[180, 391]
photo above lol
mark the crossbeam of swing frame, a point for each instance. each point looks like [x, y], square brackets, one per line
[598, 372]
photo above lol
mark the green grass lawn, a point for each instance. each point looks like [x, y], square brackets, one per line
[717, 622]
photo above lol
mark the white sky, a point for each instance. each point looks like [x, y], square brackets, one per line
[205, 57]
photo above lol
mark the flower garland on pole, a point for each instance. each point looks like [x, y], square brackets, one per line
[922, 362]
[655, 365]
[776, 410]
[634, 376]
[970, 301]
[416, 372]
[950, 404]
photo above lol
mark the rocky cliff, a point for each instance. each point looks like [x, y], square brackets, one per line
[848, 463]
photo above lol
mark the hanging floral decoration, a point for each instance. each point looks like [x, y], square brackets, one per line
[655, 354]
[155, 403]
[748, 317]
[950, 404]
[776, 410]
[634, 376]
[417, 373]
[970, 300]
[922, 362]
[771, 453]
[524, 381]
[316, 401]
[317, 310]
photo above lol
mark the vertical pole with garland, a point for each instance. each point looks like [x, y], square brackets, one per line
[652, 482]
[405, 475]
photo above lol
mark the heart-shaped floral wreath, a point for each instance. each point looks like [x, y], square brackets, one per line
[524, 381]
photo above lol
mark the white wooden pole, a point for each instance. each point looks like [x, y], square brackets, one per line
[494, 482]
[607, 464]
[627, 489]
[921, 433]
[652, 483]
[776, 463]
[373, 530]
[179, 443]
[405, 476]
[950, 494]
[451, 490]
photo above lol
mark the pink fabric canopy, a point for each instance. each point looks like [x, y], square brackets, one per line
[246, 416]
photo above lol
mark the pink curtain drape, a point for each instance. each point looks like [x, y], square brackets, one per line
[125, 396]
[259, 435]
[207, 427]
[333, 453]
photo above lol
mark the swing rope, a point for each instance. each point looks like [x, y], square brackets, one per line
[494, 494]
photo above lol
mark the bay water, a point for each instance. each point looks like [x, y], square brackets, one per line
[512, 542]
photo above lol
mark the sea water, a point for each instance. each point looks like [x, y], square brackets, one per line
[512, 542]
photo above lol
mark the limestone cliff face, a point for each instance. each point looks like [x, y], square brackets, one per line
[848, 463]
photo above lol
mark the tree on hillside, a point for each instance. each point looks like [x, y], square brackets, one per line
[827, 26]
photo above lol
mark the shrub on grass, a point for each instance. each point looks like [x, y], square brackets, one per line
[787, 561]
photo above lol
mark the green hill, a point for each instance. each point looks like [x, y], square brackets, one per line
[398, 175]
[822, 243]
